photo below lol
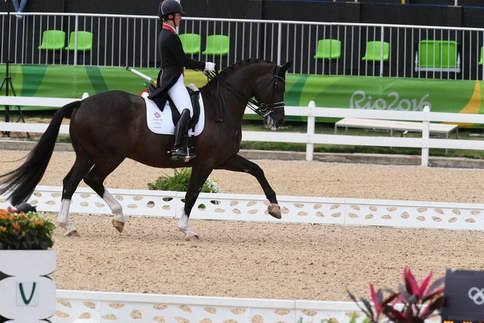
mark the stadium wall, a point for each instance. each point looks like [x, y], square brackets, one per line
[418, 12]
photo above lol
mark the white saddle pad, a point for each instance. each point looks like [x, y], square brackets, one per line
[162, 123]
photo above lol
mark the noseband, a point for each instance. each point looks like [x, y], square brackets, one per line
[261, 108]
[264, 109]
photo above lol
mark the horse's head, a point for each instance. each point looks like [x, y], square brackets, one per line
[269, 93]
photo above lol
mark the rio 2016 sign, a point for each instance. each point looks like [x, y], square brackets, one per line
[360, 100]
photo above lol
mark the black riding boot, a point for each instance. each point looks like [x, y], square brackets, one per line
[178, 151]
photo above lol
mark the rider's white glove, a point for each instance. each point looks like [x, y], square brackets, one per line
[209, 67]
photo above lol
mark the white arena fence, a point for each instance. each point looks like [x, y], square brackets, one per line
[310, 138]
[130, 40]
[123, 307]
[295, 209]
[117, 307]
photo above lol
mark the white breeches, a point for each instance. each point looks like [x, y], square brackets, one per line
[179, 94]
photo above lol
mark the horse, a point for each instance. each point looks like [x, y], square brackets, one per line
[108, 127]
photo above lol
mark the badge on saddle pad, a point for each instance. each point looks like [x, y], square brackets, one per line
[463, 296]
[161, 122]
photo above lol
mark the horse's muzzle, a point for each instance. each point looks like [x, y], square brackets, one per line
[273, 124]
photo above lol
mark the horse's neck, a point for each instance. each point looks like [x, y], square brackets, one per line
[242, 87]
[248, 77]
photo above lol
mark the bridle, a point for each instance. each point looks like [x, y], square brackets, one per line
[261, 108]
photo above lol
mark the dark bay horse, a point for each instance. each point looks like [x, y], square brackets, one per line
[111, 126]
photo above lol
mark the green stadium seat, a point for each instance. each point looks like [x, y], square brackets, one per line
[328, 48]
[53, 39]
[191, 43]
[438, 56]
[374, 50]
[217, 45]
[84, 41]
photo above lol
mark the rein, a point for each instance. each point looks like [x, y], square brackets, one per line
[261, 108]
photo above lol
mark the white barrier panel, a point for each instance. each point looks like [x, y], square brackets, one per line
[310, 138]
[295, 209]
[122, 307]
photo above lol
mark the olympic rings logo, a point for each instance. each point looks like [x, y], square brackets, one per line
[476, 295]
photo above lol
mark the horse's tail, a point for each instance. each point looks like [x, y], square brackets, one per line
[20, 183]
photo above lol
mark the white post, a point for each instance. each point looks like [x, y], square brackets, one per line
[310, 128]
[425, 137]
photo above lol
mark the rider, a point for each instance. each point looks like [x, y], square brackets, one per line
[171, 78]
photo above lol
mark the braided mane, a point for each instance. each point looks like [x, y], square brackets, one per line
[231, 69]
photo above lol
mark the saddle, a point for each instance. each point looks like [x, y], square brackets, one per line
[194, 98]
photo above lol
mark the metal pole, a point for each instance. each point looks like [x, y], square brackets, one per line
[279, 42]
[76, 29]
[382, 50]
[7, 80]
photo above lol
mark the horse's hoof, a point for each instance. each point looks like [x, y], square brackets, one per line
[72, 233]
[192, 238]
[274, 210]
[118, 225]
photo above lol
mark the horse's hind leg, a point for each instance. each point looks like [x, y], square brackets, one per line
[238, 163]
[81, 166]
[95, 179]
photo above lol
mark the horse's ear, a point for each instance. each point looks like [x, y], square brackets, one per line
[286, 66]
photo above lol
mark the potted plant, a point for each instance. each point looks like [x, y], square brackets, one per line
[413, 303]
[27, 293]
[179, 182]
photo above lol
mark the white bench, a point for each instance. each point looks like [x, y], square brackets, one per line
[402, 126]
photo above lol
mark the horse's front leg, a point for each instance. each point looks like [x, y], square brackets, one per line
[238, 163]
[199, 176]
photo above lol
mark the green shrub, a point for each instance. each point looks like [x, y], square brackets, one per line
[20, 231]
[179, 182]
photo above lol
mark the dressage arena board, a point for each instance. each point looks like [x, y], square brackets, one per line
[108, 307]
[118, 307]
[295, 209]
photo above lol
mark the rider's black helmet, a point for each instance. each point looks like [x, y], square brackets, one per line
[168, 7]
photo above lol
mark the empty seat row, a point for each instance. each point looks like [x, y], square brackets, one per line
[56, 39]
[216, 44]
[331, 49]
[431, 55]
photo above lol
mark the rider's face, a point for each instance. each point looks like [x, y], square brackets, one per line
[178, 18]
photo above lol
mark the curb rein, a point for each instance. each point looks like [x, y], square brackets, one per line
[261, 108]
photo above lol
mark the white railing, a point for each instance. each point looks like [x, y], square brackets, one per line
[310, 138]
[121, 307]
[128, 40]
[253, 208]
[124, 307]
